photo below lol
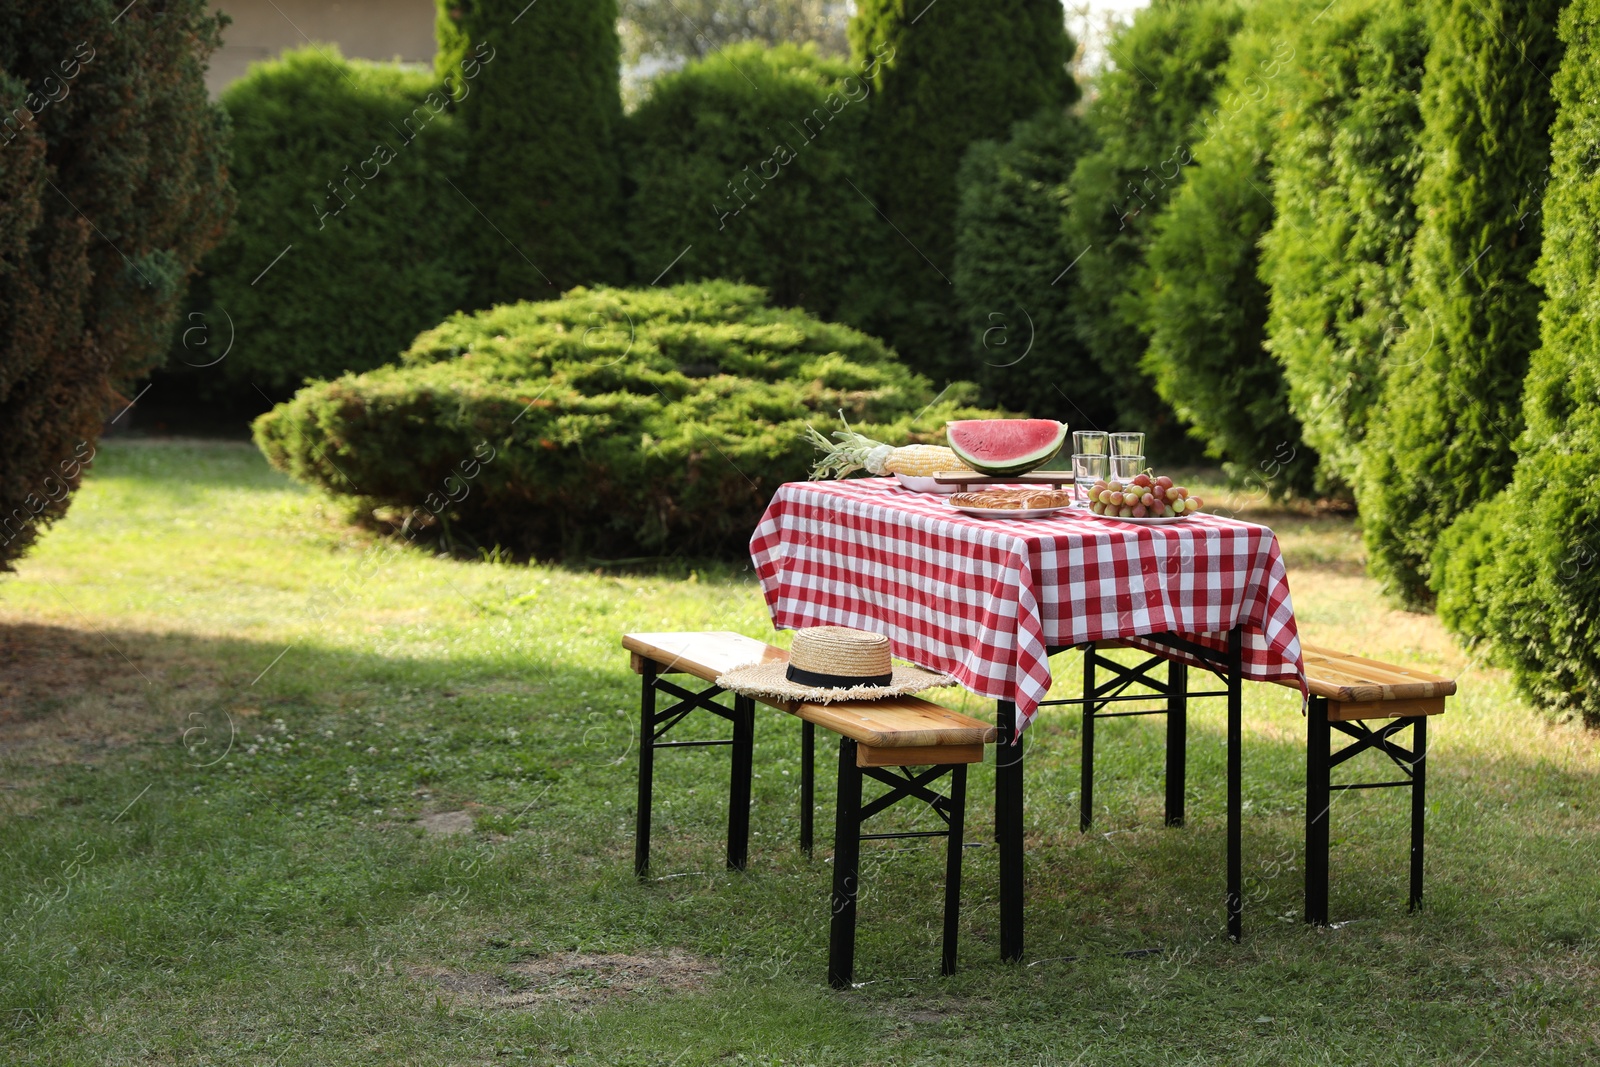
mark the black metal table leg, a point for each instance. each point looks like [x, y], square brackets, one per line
[1235, 784]
[1177, 739]
[1008, 812]
[808, 782]
[647, 753]
[1318, 794]
[846, 869]
[952, 867]
[1419, 779]
[1086, 769]
[744, 721]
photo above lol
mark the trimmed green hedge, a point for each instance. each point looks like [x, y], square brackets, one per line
[543, 121]
[347, 162]
[1441, 438]
[1171, 60]
[742, 166]
[943, 76]
[1521, 572]
[1337, 255]
[611, 421]
[1018, 300]
[1206, 309]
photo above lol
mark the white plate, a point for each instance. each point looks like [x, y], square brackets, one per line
[925, 485]
[1148, 520]
[1012, 513]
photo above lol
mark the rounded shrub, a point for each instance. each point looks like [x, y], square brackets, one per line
[342, 168]
[1440, 438]
[1521, 571]
[1016, 296]
[742, 166]
[1170, 60]
[611, 421]
[1206, 305]
[1336, 257]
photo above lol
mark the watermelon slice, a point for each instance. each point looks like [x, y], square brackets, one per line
[1006, 446]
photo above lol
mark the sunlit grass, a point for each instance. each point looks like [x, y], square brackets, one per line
[226, 710]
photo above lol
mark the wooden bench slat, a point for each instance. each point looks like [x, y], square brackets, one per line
[917, 755]
[1349, 679]
[898, 722]
[706, 654]
[1340, 711]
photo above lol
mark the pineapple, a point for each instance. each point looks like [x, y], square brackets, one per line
[851, 452]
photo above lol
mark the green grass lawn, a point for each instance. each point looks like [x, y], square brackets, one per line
[274, 792]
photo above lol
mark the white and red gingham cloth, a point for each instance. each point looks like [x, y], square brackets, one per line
[982, 599]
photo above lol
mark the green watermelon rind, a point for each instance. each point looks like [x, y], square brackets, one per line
[1022, 465]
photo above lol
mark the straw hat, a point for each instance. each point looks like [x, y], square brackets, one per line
[829, 663]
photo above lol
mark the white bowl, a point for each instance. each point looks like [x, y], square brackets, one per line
[925, 485]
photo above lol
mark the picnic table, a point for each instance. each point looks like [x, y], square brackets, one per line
[988, 601]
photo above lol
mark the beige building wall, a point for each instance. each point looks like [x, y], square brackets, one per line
[363, 29]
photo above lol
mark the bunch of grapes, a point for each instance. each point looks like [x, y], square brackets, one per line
[1145, 496]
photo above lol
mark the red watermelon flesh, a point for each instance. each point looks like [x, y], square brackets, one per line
[1006, 446]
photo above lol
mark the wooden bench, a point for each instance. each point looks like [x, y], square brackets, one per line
[875, 736]
[1346, 691]
[706, 655]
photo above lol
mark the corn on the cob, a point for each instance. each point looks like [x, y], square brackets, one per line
[922, 461]
[851, 452]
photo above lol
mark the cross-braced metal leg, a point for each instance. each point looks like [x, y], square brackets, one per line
[654, 725]
[851, 814]
[1097, 696]
[1320, 762]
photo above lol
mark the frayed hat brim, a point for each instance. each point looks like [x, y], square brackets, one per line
[770, 680]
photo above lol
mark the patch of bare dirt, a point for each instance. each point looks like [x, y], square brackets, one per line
[579, 980]
[445, 823]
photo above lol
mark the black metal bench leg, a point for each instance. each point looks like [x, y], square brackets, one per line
[846, 869]
[1318, 735]
[1086, 771]
[1235, 784]
[1177, 738]
[952, 867]
[647, 755]
[1008, 814]
[808, 782]
[1419, 801]
[744, 722]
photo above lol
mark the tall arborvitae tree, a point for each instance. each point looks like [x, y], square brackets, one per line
[1522, 571]
[537, 88]
[1167, 65]
[943, 76]
[1441, 437]
[1206, 307]
[1344, 171]
[1016, 297]
[113, 183]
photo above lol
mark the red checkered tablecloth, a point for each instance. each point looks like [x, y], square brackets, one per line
[983, 599]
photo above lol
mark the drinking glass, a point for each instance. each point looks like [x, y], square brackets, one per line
[1088, 468]
[1090, 442]
[1126, 468]
[1127, 444]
